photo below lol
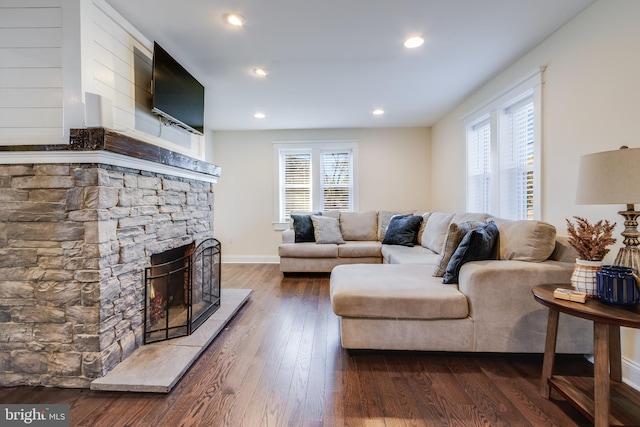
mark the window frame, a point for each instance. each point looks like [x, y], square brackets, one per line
[316, 148]
[493, 110]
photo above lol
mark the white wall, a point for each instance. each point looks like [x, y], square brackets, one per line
[393, 175]
[590, 104]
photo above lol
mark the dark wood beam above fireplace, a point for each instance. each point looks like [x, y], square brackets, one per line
[102, 139]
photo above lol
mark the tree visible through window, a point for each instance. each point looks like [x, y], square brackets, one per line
[336, 181]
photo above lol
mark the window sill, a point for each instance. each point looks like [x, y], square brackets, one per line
[280, 226]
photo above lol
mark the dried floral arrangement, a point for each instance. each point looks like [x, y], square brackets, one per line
[590, 240]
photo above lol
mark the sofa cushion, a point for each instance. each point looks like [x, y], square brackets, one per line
[359, 225]
[395, 254]
[303, 228]
[470, 216]
[394, 291]
[307, 250]
[360, 249]
[476, 245]
[525, 240]
[326, 229]
[402, 230]
[455, 234]
[332, 214]
[436, 231]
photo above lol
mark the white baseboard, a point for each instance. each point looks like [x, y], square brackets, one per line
[250, 259]
[631, 373]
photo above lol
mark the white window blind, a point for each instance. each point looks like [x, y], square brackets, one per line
[296, 182]
[516, 161]
[336, 181]
[479, 167]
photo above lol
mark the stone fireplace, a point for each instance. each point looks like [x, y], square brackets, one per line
[75, 239]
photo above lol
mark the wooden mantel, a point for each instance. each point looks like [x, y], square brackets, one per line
[106, 140]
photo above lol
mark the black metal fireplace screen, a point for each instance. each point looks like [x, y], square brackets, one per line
[182, 289]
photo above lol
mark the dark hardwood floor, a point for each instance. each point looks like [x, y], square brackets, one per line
[279, 363]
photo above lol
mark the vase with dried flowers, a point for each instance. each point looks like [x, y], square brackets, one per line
[591, 242]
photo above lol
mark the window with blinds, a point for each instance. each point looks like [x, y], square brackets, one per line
[336, 182]
[296, 182]
[516, 161]
[479, 166]
[503, 160]
[314, 179]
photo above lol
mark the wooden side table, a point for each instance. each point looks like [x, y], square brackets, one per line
[611, 402]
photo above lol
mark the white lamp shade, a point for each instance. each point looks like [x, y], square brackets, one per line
[609, 177]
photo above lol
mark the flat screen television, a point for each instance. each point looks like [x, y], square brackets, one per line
[177, 95]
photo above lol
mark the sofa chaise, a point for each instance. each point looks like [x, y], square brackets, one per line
[392, 296]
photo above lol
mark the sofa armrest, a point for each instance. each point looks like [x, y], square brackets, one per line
[503, 287]
[506, 315]
[288, 236]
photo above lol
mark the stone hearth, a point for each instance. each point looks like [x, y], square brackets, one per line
[75, 238]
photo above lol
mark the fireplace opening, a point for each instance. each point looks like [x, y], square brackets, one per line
[182, 289]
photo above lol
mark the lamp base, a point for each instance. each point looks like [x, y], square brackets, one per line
[629, 257]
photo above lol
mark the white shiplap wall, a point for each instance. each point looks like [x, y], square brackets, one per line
[31, 71]
[117, 59]
[74, 63]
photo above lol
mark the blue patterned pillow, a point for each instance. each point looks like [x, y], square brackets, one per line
[476, 245]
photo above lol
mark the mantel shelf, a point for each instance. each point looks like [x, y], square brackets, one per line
[106, 140]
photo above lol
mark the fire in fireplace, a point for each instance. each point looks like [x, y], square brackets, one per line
[182, 289]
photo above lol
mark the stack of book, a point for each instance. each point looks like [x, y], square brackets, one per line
[570, 295]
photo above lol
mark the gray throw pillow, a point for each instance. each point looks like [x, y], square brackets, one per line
[326, 229]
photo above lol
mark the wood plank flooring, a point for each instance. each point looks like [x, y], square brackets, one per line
[279, 363]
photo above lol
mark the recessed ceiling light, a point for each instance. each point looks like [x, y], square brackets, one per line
[413, 42]
[378, 112]
[259, 115]
[234, 19]
[260, 72]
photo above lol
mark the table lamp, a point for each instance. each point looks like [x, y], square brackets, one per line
[613, 177]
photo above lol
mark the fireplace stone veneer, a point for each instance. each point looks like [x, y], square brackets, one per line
[75, 239]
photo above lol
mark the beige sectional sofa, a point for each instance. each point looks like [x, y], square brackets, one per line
[388, 298]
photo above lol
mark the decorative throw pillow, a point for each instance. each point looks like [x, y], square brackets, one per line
[454, 236]
[402, 230]
[383, 222]
[476, 245]
[303, 228]
[326, 229]
[421, 233]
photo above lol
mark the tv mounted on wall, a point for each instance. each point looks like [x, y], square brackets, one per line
[177, 96]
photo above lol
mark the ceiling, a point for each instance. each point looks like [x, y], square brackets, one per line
[332, 62]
